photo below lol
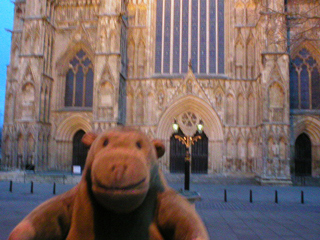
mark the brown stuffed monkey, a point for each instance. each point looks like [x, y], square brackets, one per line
[121, 195]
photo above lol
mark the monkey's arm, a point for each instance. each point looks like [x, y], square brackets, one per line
[177, 218]
[50, 220]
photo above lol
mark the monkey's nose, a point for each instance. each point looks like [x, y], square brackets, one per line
[117, 171]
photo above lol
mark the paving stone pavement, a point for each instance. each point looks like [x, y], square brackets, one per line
[237, 218]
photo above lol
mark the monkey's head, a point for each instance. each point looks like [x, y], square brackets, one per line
[120, 164]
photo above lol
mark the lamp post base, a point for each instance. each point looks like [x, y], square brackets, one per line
[191, 196]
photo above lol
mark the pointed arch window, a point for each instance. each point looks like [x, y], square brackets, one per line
[79, 81]
[304, 82]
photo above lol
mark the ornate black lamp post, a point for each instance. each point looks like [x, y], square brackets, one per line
[187, 141]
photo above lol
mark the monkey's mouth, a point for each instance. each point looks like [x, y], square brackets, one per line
[127, 187]
[137, 187]
[121, 198]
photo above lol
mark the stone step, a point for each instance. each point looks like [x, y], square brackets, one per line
[213, 179]
[41, 177]
[68, 178]
[305, 181]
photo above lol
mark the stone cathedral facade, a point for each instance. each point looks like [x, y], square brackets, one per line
[87, 65]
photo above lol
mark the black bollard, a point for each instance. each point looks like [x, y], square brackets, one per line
[225, 195]
[54, 188]
[302, 197]
[31, 190]
[250, 196]
[276, 197]
[10, 188]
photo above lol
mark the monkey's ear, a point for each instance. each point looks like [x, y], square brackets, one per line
[160, 149]
[88, 138]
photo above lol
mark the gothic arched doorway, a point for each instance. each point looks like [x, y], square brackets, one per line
[199, 154]
[177, 154]
[80, 151]
[303, 155]
[191, 105]
[199, 160]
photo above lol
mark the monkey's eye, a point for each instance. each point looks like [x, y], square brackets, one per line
[105, 143]
[138, 144]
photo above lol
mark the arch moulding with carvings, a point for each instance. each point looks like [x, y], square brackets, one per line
[310, 126]
[70, 126]
[190, 103]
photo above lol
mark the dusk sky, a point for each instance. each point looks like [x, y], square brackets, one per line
[6, 22]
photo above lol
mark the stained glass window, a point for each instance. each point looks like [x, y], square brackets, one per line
[294, 88]
[159, 36]
[304, 82]
[212, 32]
[194, 35]
[189, 30]
[203, 37]
[89, 88]
[221, 36]
[69, 88]
[79, 82]
[79, 87]
[185, 36]
[167, 37]
[315, 88]
[176, 38]
[304, 85]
